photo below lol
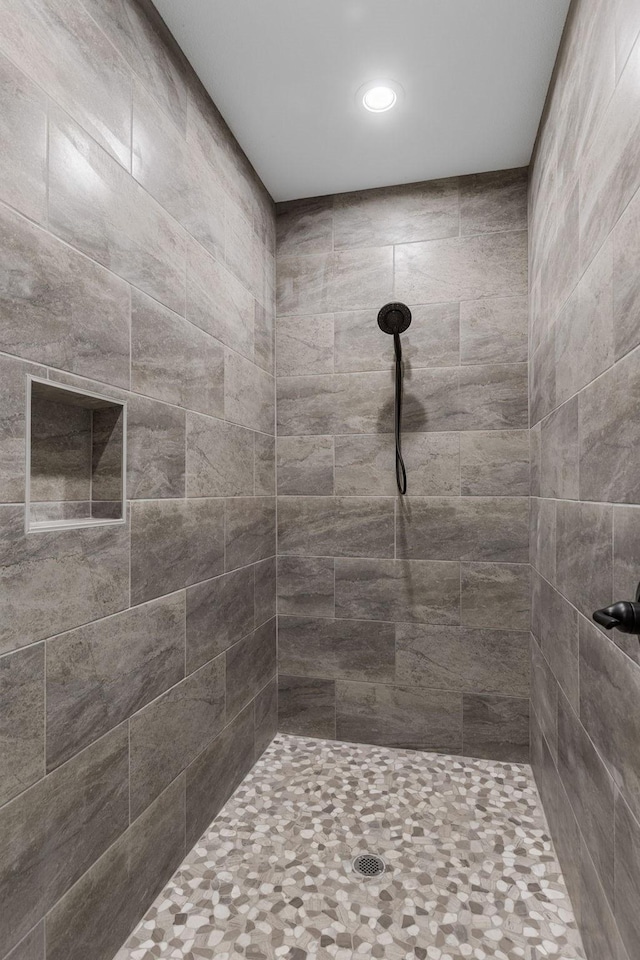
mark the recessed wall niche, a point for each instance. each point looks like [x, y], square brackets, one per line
[76, 457]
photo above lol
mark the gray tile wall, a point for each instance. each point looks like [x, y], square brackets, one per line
[584, 212]
[137, 664]
[405, 622]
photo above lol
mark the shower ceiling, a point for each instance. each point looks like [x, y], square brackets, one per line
[285, 74]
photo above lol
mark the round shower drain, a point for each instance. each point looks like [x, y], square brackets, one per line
[368, 865]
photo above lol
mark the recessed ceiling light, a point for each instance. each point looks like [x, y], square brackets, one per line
[378, 96]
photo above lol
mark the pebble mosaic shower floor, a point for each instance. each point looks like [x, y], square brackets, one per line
[471, 871]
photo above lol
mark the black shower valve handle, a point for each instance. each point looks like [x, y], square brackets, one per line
[624, 615]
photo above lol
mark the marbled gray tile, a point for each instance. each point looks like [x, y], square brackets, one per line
[365, 466]
[584, 549]
[395, 716]
[416, 591]
[242, 249]
[218, 303]
[59, 308]
[626, 536]
[13, 375]
[494, 463]
[304, 285]
[535, 455]
[251, 664]
[584, 340]
[495, 727]
[174, 543]
[176, 173]
[342, 403]
[219, 613]
[627, 858]
[463, 659]
[23, 132]
[304, 345]
[542, 537]
[609, 688]
[22, 698]
[265, 576]
[542, 364]
[431, 401]
[264, 465]
[402, 214]
[265, 709]
[305, 405]
[96, 914]
[544, 698]
[61, 461]
[561, 270]
[254, 408]
[495, 593]
[173, 360]
[600, 935]
[100, 674]
[462, 268]
[361, 278]
[250, 530]
[52, 833]
[590, 791]
[215, 774]
[65, 52]
[220, 458]
[306, 706]
[264, 336]
[464, 528]
[93, 213]
[560, 453]
[493, 397]
[140, 35]
[432, 340]
[494, 330]
[336, 526]
[155, 449]
[336, 649]
[306, 586]
[30, 947]
[305, 466]
[54, 581]
[555, 623]
[610, 435]
[166, 735]
[491, 202]
[304, 226]
[626, 290]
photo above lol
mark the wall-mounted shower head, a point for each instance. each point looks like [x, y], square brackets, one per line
[394, 318]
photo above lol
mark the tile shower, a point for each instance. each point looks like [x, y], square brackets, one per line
[146, 684]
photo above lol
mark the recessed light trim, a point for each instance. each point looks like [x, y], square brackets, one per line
[379, 96]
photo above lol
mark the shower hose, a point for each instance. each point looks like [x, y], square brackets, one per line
[401, 473]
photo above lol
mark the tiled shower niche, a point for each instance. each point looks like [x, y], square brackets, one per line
[76, 457]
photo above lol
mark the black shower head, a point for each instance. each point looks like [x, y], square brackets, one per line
[394, 318]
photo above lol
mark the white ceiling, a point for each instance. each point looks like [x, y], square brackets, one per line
[284, 74]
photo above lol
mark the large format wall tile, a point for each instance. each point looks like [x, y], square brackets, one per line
[100, 674]
[464, 528]
[365, 466]
[172, 730]
[462, 659]
[13, 374]
[251, 664]
[336, 649]
[395, 716]
[24, 137]
[219, 458]
[30, 947]
[305, 226]
[304, 345]
[627, 858]
[174, 543]
[496, 727]
[55, 831]
[254, 408]
[22, 699]
[70, 57]
[219, 613]
[584, 549]
[494, 463]
[493, 397]
[340, 526]
[306, 586]
[54, 581]
[306, 706]
[250, 530]
[173, 360]
[495, 593]
[93, 213]
[60, 308]
[218, 303]
[156, 444]
[305, 466]
[491, 202]
[462, 268]
[96, 915]
[494, 330]
[417, 591]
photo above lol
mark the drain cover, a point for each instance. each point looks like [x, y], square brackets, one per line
[368, 865]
